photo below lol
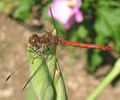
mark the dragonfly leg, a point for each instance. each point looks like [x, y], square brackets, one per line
[40, 52]
[30, 47]
[30, 50]
[35, 58]
[31, 77]
[47, 49]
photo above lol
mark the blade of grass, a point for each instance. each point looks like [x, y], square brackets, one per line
[108, 79]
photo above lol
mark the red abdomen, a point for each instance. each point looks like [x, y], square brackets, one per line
[65, 42]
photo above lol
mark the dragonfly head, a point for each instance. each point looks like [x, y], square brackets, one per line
[34, 40]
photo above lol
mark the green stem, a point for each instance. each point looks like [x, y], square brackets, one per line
[108, 79]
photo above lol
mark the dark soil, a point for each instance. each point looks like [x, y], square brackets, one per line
[79, 84]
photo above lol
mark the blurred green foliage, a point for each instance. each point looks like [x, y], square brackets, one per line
[101, 23]
[23, 10]
[20, 8]
[106, 28]
[8, 5]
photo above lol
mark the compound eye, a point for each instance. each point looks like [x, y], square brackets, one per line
[33, 39]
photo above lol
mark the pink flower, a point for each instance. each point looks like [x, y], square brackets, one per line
[67, 12]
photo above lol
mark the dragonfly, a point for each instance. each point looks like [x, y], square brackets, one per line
[42, 43]
[45, 40]
[52, 40]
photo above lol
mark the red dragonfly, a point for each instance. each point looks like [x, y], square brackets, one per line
[52, 40]
[47, 39]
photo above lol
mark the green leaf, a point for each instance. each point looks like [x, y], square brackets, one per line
[108, 23]
[59, 85]
[45, 12]
[2, 4]
[41, 81]
[82, 32]
[31, 94]
[8, 5]
[107, 29]
[95, 60]
[45, 66]
[23, 10]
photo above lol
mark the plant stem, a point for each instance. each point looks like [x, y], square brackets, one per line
[108, 79]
